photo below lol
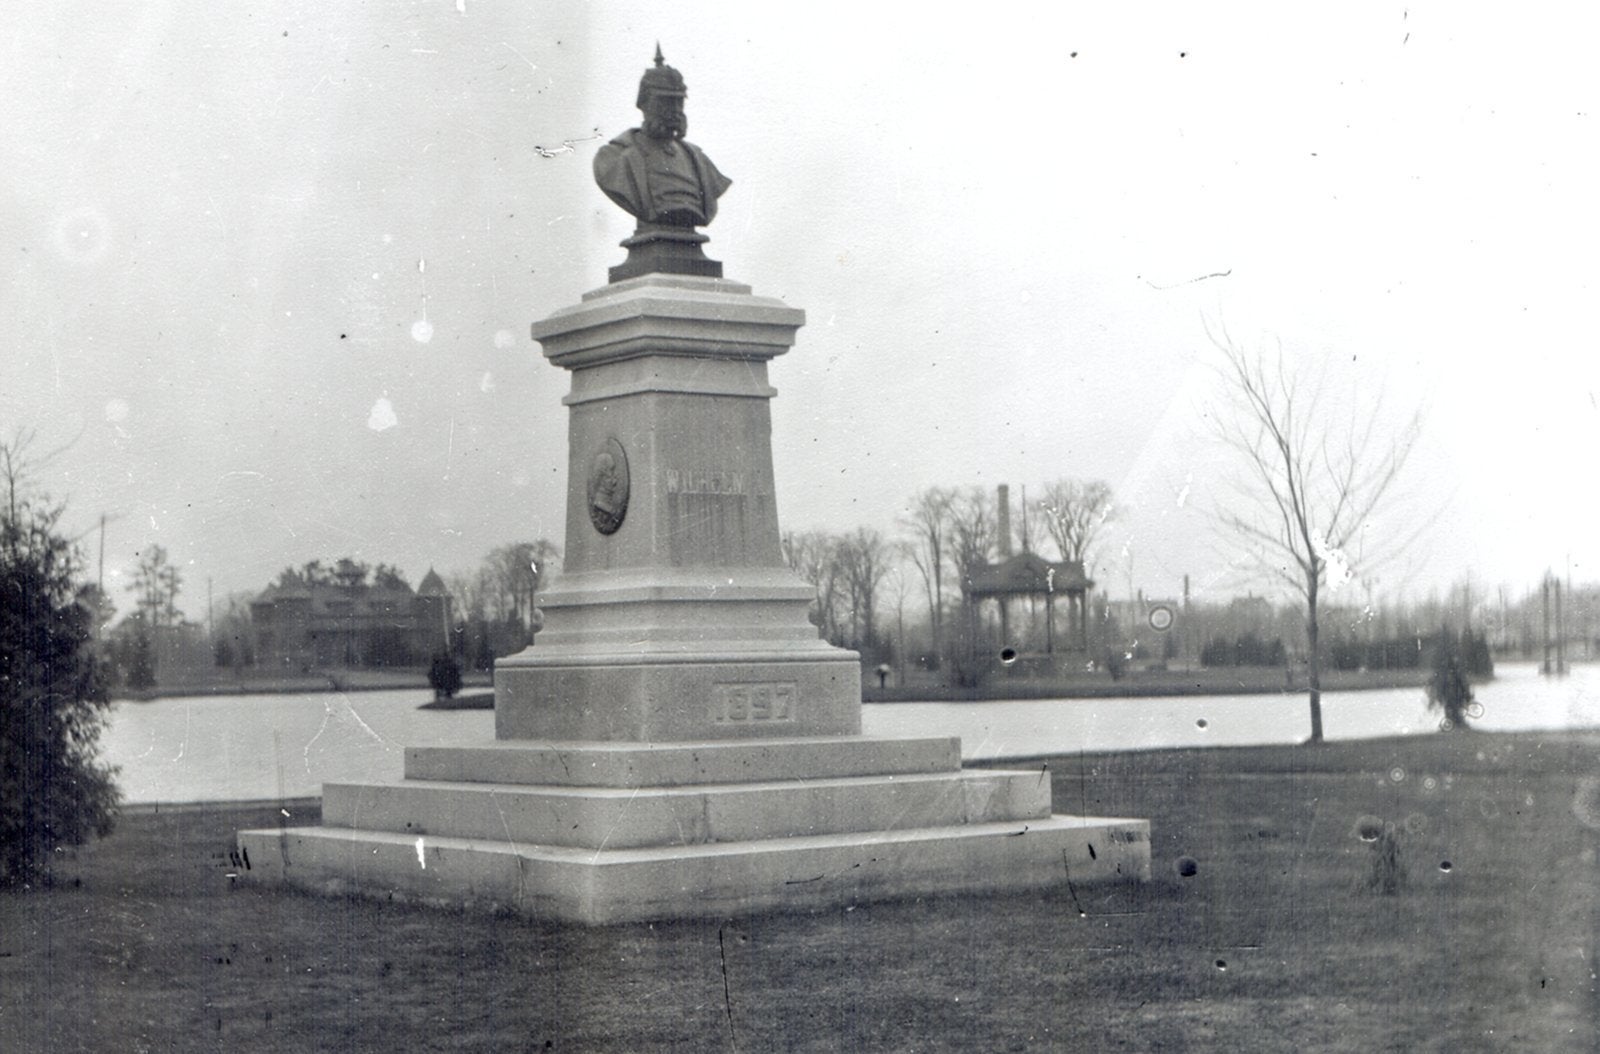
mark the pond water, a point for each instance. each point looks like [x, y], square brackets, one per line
[241, 748]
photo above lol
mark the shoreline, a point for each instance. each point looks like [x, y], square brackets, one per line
[478, 691]
[303, 685]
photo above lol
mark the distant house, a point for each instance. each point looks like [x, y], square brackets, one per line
[303, 624]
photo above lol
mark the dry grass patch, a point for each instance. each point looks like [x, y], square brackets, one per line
[1273, 943]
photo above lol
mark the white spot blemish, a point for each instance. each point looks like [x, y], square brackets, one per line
[382, 418]
[83, 236]
[116, 411]
[421, 859]
[422, 331]
[1338, 564]
[486, 384]
[504, 338]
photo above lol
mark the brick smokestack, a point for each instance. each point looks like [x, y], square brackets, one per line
[1003, 516]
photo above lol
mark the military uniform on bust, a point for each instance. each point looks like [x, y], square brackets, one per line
[668, 184]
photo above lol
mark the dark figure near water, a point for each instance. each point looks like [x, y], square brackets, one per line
[667, 184]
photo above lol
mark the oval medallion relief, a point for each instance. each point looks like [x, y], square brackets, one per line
[608, 487]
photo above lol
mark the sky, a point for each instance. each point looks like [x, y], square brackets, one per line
[272, 269]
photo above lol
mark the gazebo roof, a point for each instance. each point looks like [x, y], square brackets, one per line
[1027, 574]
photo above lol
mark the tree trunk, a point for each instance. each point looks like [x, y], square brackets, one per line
[1313, 663]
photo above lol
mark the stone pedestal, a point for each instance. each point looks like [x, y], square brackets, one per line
[675, 617]
[680, 742]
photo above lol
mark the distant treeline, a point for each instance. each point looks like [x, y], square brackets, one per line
[1244, 650]
[1395, 653]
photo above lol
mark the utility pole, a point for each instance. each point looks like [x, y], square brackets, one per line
[1557, 665]
[1561, 631]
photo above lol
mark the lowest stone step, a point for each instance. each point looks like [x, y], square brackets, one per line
[621, 885]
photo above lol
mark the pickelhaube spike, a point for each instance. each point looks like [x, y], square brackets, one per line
[660, 78]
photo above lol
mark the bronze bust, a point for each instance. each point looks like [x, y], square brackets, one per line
[666, 183]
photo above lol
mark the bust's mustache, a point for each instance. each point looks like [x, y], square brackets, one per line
[666, 127]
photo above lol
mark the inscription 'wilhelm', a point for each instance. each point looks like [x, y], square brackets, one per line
[756, 703]
[705, 481]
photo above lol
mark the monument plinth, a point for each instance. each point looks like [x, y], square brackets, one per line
[674, 616]
[680, 741]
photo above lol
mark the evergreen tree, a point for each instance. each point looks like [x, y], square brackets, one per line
[1449, 688]
[54, 792]
[444, 675]
[141, 660]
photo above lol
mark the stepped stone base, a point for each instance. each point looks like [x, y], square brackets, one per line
[603, 832]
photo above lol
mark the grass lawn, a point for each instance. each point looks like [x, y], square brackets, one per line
[1271, 944]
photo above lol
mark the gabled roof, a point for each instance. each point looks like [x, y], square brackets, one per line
[432, 585]
[284, 589]
[1027, 574]
[327, 597]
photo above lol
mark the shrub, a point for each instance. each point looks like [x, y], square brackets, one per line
[1449, 688]
[54, 792]
[444, 676]
[1387, 874]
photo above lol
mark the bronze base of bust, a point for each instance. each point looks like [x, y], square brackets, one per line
[665, 250]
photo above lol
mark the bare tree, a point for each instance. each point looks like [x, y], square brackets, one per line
[814, 556]
[515, 574]
[1312, 480]
[156, 583]
[1073, 512]
[898, 586]
[973, 534]
[468, 594]
[928, 521]
[864, 559]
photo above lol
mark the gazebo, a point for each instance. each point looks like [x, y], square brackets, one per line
[1028, 574]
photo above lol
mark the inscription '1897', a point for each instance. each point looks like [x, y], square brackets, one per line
[758, 703]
